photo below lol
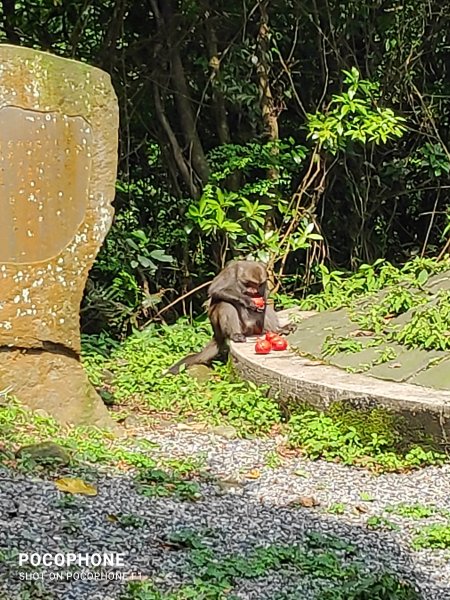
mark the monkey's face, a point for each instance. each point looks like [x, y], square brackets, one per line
[253, 279]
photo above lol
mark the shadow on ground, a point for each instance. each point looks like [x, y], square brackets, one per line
[36, 518]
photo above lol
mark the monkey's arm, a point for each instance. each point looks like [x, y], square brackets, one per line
[231, 295]
[237, 283]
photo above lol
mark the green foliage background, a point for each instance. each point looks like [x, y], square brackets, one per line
[306, 133]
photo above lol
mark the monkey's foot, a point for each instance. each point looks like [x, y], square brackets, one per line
[238, 337]
[288, 328]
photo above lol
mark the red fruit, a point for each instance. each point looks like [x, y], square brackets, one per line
[270, 335]
[263, 346]
[259, 302]
[279, 343]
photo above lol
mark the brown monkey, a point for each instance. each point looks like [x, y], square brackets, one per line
[232, 312]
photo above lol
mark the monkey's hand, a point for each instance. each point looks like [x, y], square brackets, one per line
[248, 303]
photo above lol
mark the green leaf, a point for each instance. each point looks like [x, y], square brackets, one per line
[161, 256]
[145, 262]
[422, 277]
[132, 244]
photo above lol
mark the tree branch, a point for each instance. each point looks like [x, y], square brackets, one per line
[176, 150]
[223, 131]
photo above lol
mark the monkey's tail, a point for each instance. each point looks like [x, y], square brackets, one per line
[204, 357]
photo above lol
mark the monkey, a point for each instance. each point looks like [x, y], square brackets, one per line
[232, 312]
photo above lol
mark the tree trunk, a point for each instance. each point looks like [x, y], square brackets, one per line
[182, 96]
[268, 110]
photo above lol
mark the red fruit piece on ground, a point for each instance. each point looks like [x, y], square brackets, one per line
[279, 344]
[263, 346]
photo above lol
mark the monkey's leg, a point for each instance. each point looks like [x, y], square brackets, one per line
[226, 322]
[226, 325]
[272, 323]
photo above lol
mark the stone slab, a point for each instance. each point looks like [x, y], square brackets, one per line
[437, 376]
[355, 360]
[312, 332]
[438, 282]
[406, 365]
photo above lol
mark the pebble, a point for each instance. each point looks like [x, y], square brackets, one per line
[238, 512]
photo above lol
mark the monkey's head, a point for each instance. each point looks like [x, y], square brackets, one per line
[253, 278]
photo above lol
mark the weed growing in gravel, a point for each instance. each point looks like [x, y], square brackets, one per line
[187, 538]
[156, 482]
[146, 590]
[35, 589]
[382, 586]
[366, 497]
[338, 508]
[71, 526]
[88, 448]
[375, 439]
[432, 536]
[377, 522]
[414, 511]
[128, 521]
[327, 558]
[273, 460]
[187, 465]
[9, 555]
[20, 427]
[66, 502]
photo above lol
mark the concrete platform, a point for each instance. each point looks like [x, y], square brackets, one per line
[293, 378]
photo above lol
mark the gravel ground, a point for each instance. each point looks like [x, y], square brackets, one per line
[249, 505]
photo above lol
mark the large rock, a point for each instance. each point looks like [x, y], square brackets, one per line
[58, 161]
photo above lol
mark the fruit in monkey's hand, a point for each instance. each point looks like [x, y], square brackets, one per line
[263, 346]
[259, 302]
